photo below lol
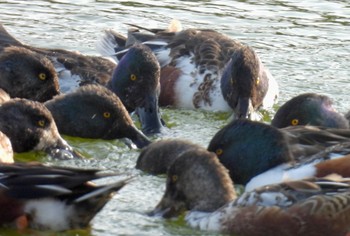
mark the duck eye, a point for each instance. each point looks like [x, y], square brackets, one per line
[42, 76]
[41, 123]
[106, 114]
[174, 178]
[133, 77]
[219, 151]
[294, 122]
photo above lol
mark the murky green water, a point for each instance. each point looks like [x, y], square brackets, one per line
[305, 44]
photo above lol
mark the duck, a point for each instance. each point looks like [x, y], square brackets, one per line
[73, 68]
[156, 158]
[199, 187]
[201, 69]
[136, 81]
[95, 112]
[257, 154]
[44, 197]
[27, 74]
[30, 127]
[309, 109]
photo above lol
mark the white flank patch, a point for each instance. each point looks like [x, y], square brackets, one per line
[188, 83]
[272, 93]
[49, 214]
[280, 174]
[302, 172]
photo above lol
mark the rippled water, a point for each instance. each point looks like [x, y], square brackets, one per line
[305, 44]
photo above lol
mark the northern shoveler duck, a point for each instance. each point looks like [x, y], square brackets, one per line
[202, 69]
[73, 68]
[199, 184]
[136, 82]
[27, 74]
[257, 154]
[309, 109]
[51, 198]
[30, 126]
[158, 156]
[93, 111]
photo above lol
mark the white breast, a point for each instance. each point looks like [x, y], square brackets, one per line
[49, 214]
[188, 84]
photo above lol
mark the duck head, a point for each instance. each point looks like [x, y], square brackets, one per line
[244, 84]
[26, 74]
[30, 126]
[195, 181]
[309, 109]
[136, 82]
[247, 148]
[93, 111]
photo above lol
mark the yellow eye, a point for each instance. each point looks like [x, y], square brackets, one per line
[219, 151]
[42, 76]
[294, 122]
[257, 81]
[106, 114]
[174, 178]
[41, 123]
[133, 77]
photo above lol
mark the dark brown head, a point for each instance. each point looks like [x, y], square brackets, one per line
[157, 157]
[196, 181]
[244, 82]
[30, 126]
[26, 74]
[93, 111]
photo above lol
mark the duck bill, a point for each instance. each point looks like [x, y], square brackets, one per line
[62, 150]
[168, 208]
[244, 108]
[138, 138]
[149, 116]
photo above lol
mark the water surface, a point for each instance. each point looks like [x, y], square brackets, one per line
[305, 44]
